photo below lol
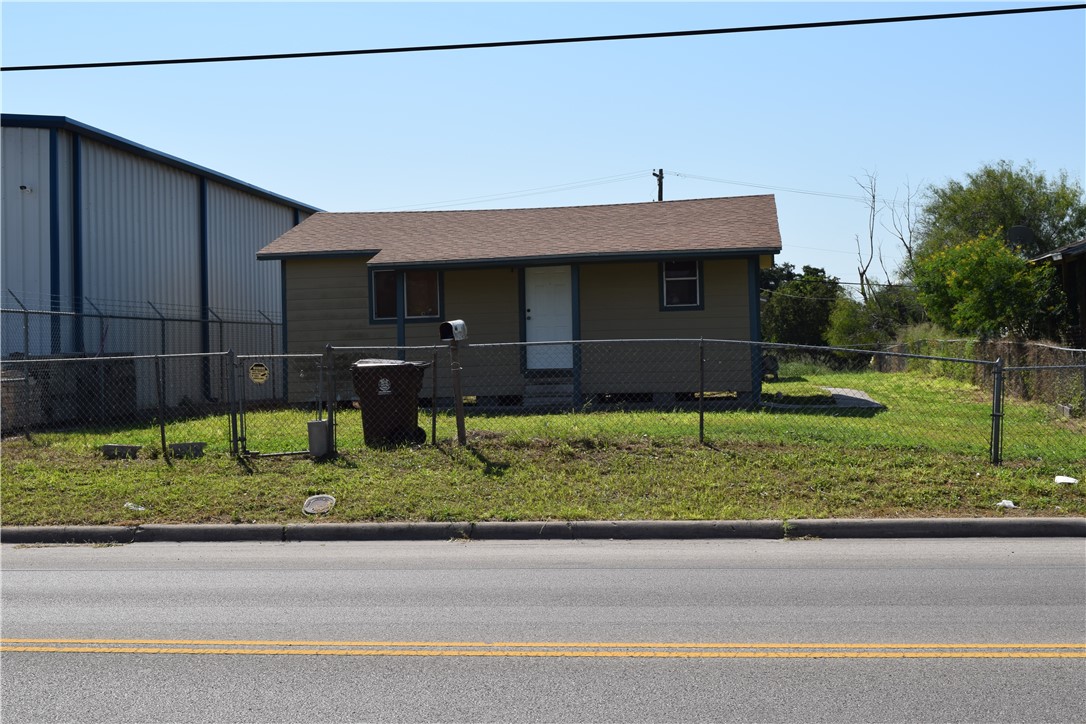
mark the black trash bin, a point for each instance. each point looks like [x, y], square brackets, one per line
[388, 393]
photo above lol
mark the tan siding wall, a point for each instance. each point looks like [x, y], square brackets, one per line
[327, 302]
[622, 301]
[487, 299]
[484, 298]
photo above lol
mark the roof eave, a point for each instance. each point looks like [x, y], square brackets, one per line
[586, 258]
[1071, 251]
[17, 120]
[284, 255]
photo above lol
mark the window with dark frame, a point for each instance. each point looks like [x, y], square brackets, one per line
[681, 284]
[422, 294]
[384, 294]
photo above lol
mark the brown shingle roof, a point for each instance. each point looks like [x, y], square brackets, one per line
[735, 225]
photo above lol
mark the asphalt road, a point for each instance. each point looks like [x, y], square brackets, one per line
[980, 630]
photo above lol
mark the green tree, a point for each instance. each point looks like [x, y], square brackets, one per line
[877, 320]
[798, 312]
[996, 199]
[771, 278]
[983, 287]
[851, 324]
[1015, 213]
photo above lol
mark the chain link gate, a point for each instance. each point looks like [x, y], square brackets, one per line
[277, 397]
[1054, 395]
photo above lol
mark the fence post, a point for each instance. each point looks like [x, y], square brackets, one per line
[1084, 382]
[996, 446]
[701, 390]
[458, 397]
[29, 406]
[232, 395]
[330, 398]
[241, 392]
[284, 363]
[206, 368]
[26, 324]
[162, 331]
[578, 359]
[433, 400]
[271, 328]
[161, 385]
[218, 319]
[103, 328]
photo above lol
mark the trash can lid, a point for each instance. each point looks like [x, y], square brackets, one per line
[387, 363]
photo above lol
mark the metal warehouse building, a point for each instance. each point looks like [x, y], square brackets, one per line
[112, 248]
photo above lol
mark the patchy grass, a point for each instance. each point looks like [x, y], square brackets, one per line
[924, 455]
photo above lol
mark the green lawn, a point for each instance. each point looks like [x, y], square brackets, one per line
[925, 454]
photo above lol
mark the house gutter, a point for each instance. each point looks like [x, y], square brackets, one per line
[548, 260]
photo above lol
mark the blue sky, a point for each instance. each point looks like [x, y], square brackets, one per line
[809, 110]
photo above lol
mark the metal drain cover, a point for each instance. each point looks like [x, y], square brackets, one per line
[318, 504]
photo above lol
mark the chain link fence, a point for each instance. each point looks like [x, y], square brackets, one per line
[125, 329]
[150, 405]
[733, 393]
[716, 392]
[1051, 398]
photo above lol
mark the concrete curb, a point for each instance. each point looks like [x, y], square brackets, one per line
[36, 534]
[211, 533]
[940, 528]
[555, 530]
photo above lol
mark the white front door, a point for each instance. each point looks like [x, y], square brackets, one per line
[548, 316]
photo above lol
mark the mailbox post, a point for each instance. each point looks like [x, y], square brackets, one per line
[452, 332]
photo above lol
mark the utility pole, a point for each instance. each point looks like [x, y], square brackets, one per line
[659, 184]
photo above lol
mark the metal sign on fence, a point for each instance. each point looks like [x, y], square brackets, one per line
[259, 373]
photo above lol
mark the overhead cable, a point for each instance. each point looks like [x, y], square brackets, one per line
[551, 41]
[572, 185]
[771, 188]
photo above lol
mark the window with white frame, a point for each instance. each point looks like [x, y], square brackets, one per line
[421, 289]
[681, 284]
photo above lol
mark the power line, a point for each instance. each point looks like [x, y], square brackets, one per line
[771, 188]
[887, 285]
[550, 41]
[819, 248]
[619, 178]
[571, 186]
[904, 285]
[777, 291]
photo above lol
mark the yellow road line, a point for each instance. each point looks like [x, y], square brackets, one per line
[544, 644]
[549, 649]
[563, 654]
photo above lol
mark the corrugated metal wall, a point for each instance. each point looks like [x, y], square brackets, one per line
[141, 229]
[27, 232]
[25, 215]
[239, 225]
[64, 234]
[135, 237]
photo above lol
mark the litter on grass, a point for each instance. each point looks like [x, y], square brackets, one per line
[1065, 480]
[318, 504]
[1006, 504]
[133, 506]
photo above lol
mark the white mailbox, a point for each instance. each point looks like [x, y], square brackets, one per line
[453, 330]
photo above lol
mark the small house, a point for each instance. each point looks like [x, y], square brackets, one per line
[645, 271]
